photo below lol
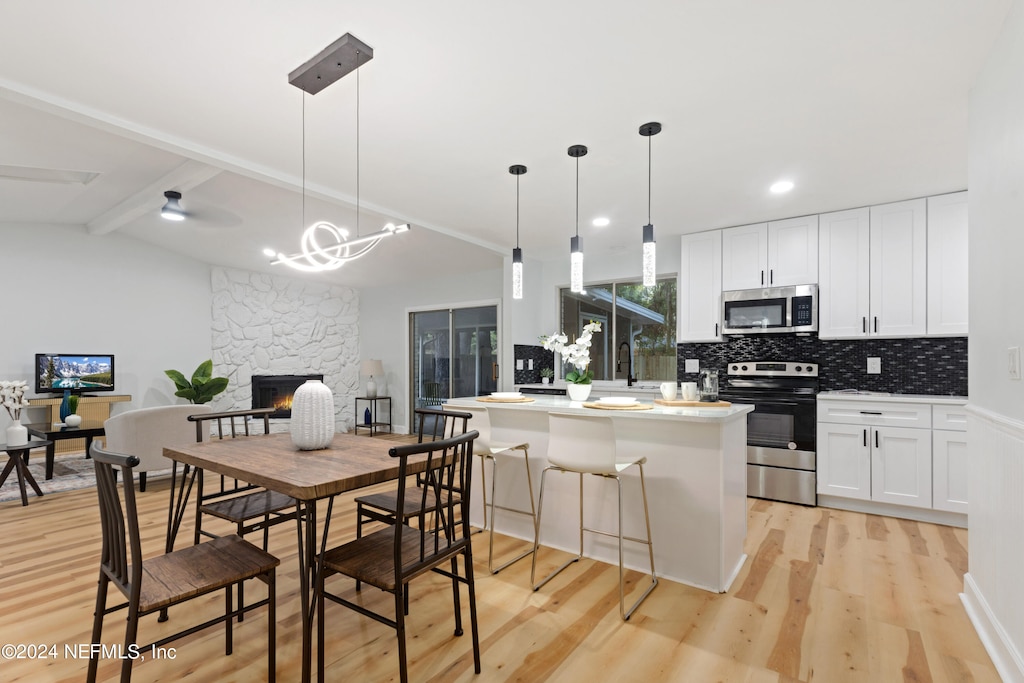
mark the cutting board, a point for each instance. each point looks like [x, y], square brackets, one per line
[692, 404]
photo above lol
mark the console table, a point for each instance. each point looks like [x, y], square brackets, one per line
[91, 408]
[376, 423]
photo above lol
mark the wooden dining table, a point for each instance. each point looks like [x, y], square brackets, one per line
[272, 461]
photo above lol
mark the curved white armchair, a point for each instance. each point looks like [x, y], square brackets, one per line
[144, 433]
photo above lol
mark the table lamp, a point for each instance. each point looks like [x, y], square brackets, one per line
[372, 367]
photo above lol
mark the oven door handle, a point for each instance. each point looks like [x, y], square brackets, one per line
[766, 402]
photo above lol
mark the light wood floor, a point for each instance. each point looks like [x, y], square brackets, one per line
[825, 596]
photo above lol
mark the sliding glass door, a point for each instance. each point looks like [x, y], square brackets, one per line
[454, 353]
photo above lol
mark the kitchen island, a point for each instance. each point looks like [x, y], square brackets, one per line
[696, 486]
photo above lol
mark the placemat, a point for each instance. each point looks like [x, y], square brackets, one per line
[491, 399]
[692, 404]
[609, 406]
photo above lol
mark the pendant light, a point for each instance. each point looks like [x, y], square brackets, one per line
[338, 59]
[649, 130]
[517, 253]
[575, 251]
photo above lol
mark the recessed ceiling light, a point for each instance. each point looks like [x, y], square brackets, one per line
[269, 252]
[601, 222]
[781, 187]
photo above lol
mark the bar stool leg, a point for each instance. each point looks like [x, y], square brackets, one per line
[536, 545]
[532, 512]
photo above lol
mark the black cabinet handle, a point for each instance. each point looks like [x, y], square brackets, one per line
[771, 276]
[876, 438]
[716, 329]
[865, 438]
[870, 412]
[762, 277]
[864, 324]
[876, 323]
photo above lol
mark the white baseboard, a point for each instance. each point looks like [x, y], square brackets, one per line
[1004, 656]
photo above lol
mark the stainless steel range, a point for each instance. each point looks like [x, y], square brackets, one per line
[781, 447]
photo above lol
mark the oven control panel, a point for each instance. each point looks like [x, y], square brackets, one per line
[757, 368]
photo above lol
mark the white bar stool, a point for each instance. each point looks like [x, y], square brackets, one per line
[585, 444]
[488, 449]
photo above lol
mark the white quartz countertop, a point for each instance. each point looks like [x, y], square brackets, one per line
[658, 412]
[892, 398]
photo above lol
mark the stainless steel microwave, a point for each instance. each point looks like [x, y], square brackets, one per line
[770, 310]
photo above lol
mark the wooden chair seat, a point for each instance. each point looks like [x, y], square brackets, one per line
[199, 569]
[383, 507]
[371, 559]
[242, 508]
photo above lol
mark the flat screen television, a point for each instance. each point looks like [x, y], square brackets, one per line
[78, 372]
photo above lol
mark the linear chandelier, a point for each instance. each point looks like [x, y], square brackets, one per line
[325, 246]
[517, 253]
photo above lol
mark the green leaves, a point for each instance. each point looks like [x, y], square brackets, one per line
[577, 377]
[203, 386]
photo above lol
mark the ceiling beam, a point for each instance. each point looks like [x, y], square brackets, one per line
[189, 175]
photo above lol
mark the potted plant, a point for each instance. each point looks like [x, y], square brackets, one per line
[545, 375]
[576, 354]
[203, 387]
[73, 419]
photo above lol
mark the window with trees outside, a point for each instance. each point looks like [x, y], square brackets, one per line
[638, 328]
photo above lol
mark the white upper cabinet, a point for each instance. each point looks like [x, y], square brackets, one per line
[793, 251]
[772, 254]
[947, 264]
[745, 257]
[898, 269]
[700, 288]
[844, 287]
[873, 278]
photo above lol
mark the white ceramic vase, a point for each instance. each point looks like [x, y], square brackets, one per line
[312, 425]
[17, 435]
[578, 392]
[73, 420]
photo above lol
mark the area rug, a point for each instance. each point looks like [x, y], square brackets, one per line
[71, 471]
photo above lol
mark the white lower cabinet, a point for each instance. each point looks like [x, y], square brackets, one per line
[901, 466]
[949, 459]
[862, 456]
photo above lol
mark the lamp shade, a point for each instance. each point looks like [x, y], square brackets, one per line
[372, 367]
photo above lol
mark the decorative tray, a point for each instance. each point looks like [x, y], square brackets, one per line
[692, 404]
[492, 399]
[613, 406]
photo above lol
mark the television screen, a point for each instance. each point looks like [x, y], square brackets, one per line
[56, 372]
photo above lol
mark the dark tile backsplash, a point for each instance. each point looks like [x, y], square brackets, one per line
[909, 366]
[541, 359]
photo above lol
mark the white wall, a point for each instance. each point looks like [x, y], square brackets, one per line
[994, 592]
[71, 292]
[384, 325]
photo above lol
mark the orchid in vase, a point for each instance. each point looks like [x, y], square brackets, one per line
[12, 396]
[576, 354]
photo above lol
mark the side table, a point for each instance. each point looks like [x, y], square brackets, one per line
[17, 459]
[376, 423]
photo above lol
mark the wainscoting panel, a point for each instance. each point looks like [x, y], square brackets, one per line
[993, 588]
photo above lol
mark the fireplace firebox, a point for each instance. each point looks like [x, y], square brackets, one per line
[276, 391]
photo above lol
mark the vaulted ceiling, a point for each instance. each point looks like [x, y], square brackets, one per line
[857, 103]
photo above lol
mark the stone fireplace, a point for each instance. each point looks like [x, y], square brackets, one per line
[276, 391]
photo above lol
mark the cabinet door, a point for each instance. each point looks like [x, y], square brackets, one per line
[949, 471]
[844, 274]
[745, 257]
[793, 252]
[898, 269]
[699, 298]
[947, 264]
[901, 466]
[844, 461]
